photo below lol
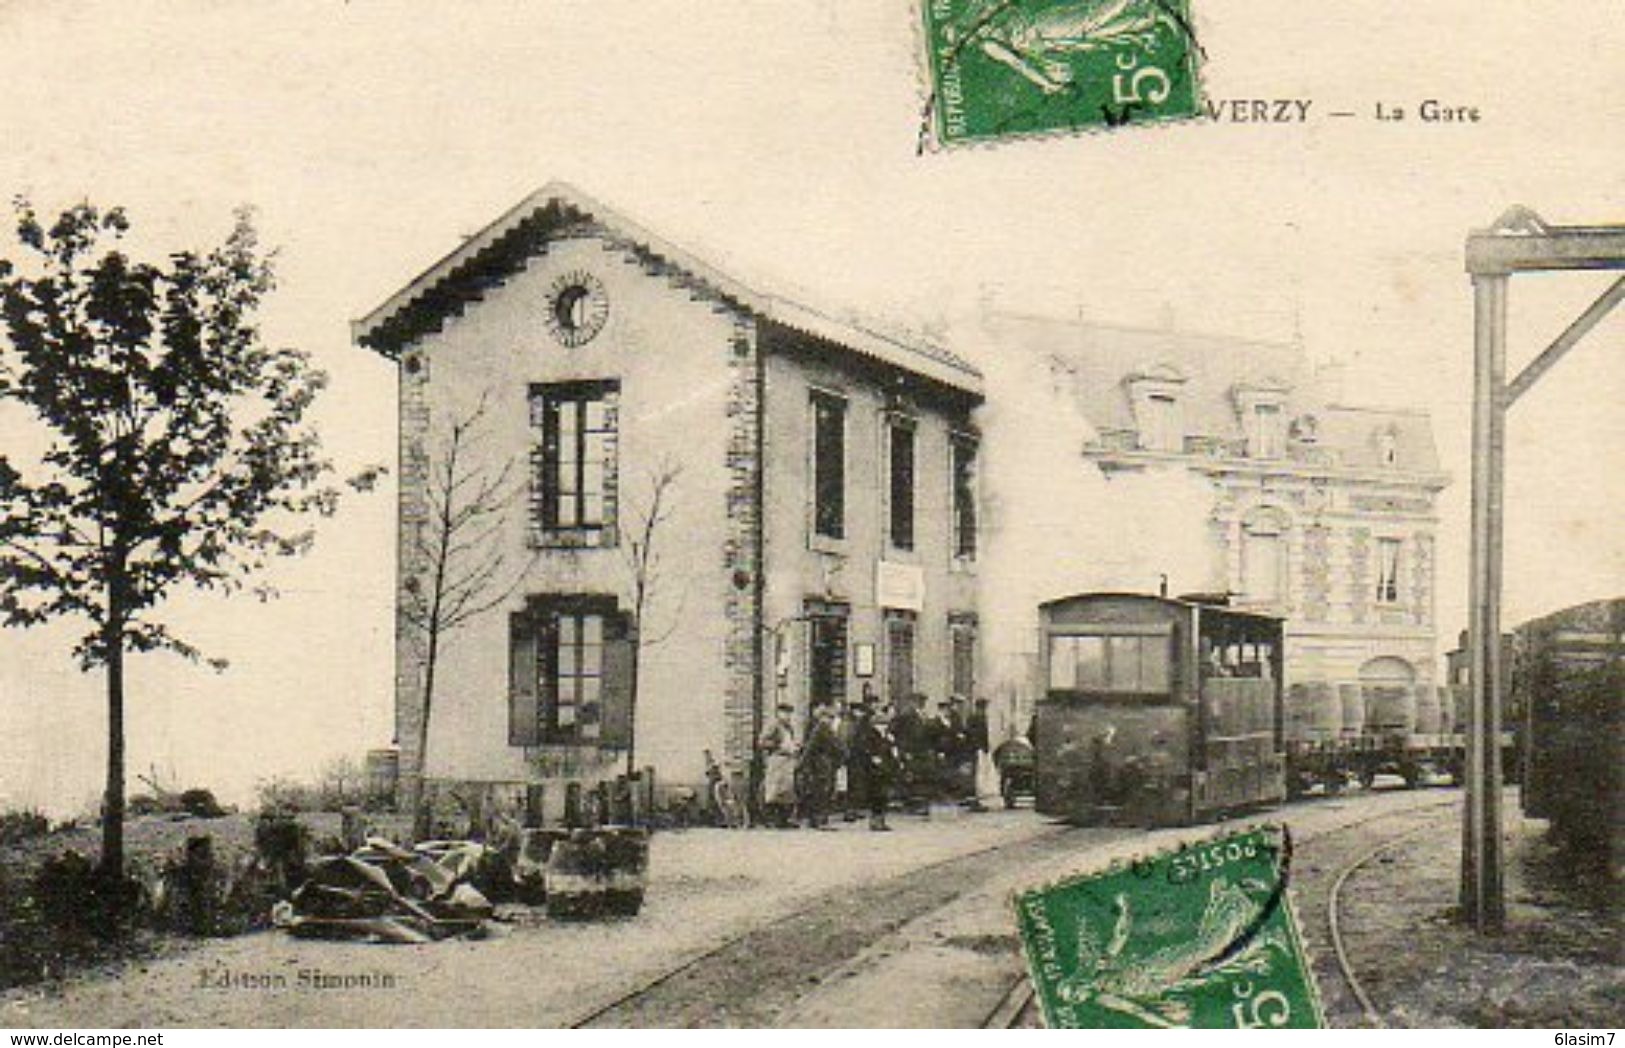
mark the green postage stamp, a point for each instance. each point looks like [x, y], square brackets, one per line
[1203, 937]
[1009, 68]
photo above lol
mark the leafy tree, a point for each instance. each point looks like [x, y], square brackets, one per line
[175, 451]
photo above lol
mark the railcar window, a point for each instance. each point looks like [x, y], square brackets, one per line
[1154, 668]
[1242, 659]
[1090, 655]
[1123, 664]
[1136, 665]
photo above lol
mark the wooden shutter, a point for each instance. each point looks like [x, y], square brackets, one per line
[524, 697]
[615, 689]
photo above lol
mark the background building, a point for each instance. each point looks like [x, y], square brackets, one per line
[815, 483]
[1315, 509]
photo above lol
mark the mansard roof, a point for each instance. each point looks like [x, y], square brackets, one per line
[1102, 361]
[502, 248]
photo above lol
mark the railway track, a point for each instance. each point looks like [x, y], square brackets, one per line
[748, 977]
[1017, 1007]
[903, 898]
[1334, 927]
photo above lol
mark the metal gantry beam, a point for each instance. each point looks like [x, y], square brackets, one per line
[1566, 341]
[1520, 242]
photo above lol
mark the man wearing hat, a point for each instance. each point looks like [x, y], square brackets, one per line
[779, 747]
[977, 742]
[959, 756]
[915, 744]
[874, 763]
[820, 759]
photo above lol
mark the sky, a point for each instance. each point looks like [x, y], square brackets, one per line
[779, 141]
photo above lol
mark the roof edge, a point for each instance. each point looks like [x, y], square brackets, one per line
[889, 349]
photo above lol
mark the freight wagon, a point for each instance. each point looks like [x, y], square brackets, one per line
[1569, 680]
[1156, 711]
[1336, 733]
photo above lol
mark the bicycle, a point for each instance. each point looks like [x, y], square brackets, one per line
[728, 807]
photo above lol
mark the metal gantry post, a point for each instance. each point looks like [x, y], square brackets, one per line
[1481, 894]
[1520, 242]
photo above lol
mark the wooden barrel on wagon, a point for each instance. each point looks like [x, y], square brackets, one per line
[598, 873]
[1313, 712]
[1325, 710]
[1428, 713]
[1390, 709]
[1352, 706]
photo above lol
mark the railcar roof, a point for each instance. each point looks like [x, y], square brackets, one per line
[1170, 601]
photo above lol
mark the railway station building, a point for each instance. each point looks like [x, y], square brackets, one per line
[1320, 510]
[812, 484]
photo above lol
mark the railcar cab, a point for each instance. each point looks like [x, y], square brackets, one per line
[1154, 711]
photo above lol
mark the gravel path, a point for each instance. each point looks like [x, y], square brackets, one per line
[776, 928]
[706, 886]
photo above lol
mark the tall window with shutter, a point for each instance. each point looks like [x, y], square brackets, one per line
[900, 481]
[962, 650]
[570, 673]
[575, 464]
[828, 466]
[963, 469]
[899, 654]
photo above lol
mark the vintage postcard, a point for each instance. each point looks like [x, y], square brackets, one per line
[674, 514]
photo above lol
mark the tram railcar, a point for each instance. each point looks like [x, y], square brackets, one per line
[1569, 678]
[1156, 711]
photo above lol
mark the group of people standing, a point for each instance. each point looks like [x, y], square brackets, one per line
[861, 756]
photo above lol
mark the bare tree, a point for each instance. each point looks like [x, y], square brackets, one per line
[465, 566]
[642, 555]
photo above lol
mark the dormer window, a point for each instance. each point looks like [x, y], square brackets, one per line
[1159, 416]
[1266, 437]
[1388, 447]
[1161, 431]
[1262, 406]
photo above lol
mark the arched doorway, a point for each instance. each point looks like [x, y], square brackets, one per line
[1388, 670]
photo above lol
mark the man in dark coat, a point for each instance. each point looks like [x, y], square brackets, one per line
[820, 759]
[849, 799]
[976, 728]
[959, 773]
[916, 744]
[874, 763]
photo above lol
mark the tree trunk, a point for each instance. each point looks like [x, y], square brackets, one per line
[632, 703]
[113, 799]
[421, 827]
